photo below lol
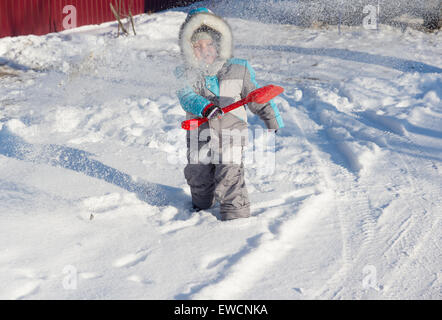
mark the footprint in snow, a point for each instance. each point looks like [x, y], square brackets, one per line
[30, 283]
[213, 260]
[89, 275]
[26, 290]
[137, 279]
[130, 260]
[298, 290]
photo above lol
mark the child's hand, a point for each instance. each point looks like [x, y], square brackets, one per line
[212, 112]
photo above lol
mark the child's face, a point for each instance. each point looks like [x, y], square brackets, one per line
[205, 51]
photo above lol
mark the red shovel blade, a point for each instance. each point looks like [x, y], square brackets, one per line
[265, 94]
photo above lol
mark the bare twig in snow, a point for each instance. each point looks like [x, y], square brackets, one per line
[117, 16]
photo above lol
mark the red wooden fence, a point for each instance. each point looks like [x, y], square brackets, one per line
[22, 17]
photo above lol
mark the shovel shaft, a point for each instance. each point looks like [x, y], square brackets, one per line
[260, 95]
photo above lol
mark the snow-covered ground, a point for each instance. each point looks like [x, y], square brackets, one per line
[93, 201]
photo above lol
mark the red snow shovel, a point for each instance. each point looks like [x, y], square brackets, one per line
[261, 95]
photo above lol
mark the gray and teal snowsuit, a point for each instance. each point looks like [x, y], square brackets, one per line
[211, 176]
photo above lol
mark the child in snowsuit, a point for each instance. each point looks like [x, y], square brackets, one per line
[213, 79]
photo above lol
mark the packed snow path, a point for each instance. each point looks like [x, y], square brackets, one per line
[94, 204]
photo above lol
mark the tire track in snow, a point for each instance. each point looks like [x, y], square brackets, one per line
[409, 234]
[369, 222]
[361, 238]
[352, 210]
[411, 238]
[410, 230]
[352, 206]
[340, 182]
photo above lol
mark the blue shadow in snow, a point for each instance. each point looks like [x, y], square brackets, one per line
[77, 160]
[399, 64]
[14, 65]
[422, 131]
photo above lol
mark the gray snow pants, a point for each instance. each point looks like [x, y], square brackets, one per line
[219, 182]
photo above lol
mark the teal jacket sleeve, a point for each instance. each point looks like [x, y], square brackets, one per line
[190, 101]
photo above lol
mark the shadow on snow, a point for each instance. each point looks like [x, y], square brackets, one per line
[80, 161]
[399, 64]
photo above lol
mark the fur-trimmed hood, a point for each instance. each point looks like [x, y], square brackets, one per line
[201, 18]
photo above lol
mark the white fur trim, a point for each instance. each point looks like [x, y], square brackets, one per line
[195, 22]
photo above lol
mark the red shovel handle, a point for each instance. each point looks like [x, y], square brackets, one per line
[260, 95]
